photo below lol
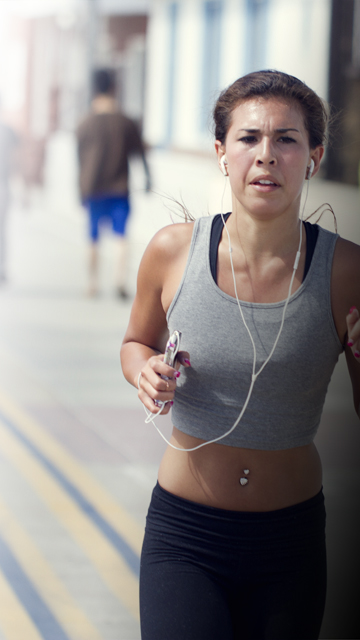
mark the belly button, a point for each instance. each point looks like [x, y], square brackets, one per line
[243, 481]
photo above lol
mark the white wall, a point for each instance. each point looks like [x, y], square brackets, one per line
[297, 42]
[299, 38]
[188, 78]
[156, 75]
[232, 62]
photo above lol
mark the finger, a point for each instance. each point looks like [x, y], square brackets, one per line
[163, 384]
[183, 358]
[165, 407]
[161, 369]
[148, 403]
[158, 389]
[158, 374]
[152, 404]
[352, 318]
[353, 328]
[353, 325]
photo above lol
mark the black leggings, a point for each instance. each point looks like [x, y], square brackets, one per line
[213, 574]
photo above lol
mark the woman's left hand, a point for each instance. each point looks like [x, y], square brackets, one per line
[353, 331]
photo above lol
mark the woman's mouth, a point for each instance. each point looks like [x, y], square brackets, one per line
[265, 185]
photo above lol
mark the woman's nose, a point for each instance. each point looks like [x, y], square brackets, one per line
[266, 154]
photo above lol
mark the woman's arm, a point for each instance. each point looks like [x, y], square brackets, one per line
[346, 308]
[352, 352]
[144, 343]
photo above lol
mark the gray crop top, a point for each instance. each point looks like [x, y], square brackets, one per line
[288, 397]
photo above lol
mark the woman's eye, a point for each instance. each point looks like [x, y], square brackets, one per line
[248, 139]
[286, 139]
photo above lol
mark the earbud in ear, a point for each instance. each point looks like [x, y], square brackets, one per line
[223, 167]
[310, 169]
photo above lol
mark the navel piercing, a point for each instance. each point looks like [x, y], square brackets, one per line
[244, 481]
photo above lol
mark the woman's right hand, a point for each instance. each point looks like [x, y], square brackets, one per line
[153, 389]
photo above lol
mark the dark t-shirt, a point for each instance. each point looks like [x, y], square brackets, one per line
[105, 142]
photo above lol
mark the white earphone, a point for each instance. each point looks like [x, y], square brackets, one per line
[223, 162]
[310, 170]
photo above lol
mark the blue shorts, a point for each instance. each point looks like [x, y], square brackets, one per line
[107, 209]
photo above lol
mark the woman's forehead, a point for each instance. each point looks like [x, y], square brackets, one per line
[263, 112]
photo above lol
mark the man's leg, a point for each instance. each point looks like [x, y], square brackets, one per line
[93, 268]
[119, 214]
[122, 251]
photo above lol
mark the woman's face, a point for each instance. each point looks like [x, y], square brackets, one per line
[267, 153]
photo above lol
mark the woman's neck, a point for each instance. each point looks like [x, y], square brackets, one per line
[261, 239]
[263, 256]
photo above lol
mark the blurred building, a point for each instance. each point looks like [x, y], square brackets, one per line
[46, 61]
[197, 47]
[344, 92]
[172, 57]
[59, 49]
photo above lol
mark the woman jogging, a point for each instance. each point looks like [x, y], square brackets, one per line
[234, 544]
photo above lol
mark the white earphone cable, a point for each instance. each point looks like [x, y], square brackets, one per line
[151, 417]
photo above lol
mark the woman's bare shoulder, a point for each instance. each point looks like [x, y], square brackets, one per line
[165, 250]
[169, 243]
[347, 259]
[172, 238]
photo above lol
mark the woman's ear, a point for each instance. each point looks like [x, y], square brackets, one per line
[222, 161]
[316, 156]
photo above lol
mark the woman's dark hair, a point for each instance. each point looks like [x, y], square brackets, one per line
[273, 84]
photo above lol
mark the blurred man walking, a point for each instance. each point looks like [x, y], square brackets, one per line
[106, 140]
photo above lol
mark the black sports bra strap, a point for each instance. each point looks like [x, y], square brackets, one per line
[312, 232]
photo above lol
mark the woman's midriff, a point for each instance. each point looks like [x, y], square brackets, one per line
[211, 475]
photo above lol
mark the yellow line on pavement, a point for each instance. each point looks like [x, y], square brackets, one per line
[15, 623]
[105, 504]
[51, 589]
[102, 554]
